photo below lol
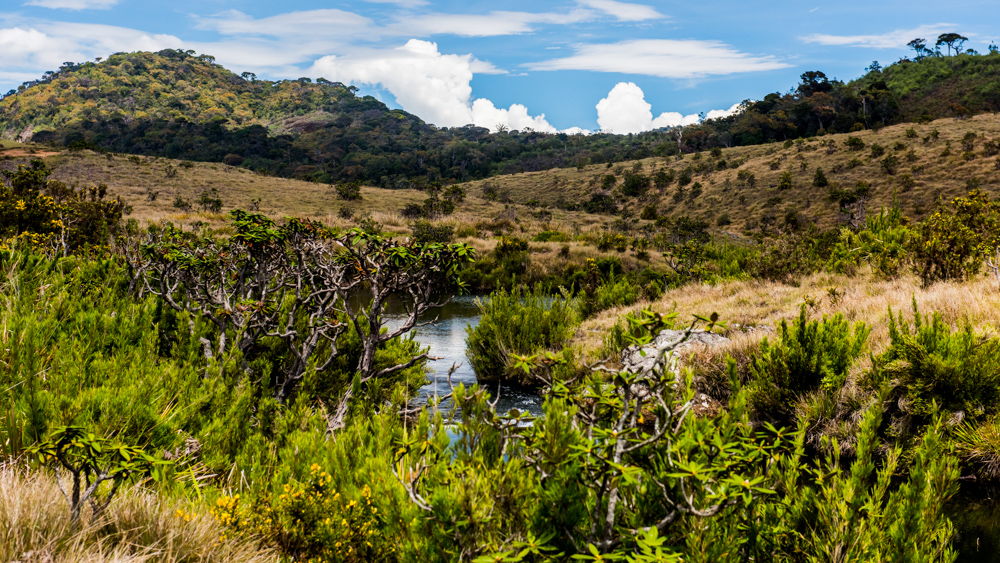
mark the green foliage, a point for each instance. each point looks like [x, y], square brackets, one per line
[610, 293]
[47, 213]
[785, 182]
[854, 143]
[882, 244]
[934, 365]
[349, 191]
[952, 245]
[91, 461]
[832, 510]
[516, 322]
[819, 179]
[552, 236]
[808, 356]
[425, 232]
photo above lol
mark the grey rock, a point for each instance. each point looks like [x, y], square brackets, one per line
[641, 360]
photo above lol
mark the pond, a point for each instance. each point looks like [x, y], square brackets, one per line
[446, 340]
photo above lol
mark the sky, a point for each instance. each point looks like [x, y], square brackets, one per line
[566, 65]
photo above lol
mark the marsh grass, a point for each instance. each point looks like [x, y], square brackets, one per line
[138, 526]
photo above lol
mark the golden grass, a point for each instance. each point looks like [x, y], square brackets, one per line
[742, 304]
[138, 526]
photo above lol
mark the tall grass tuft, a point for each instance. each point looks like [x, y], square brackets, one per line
[519, 321]
[138, 526]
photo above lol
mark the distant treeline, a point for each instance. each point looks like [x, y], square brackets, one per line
[176, 105]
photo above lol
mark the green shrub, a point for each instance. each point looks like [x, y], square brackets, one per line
[520, 322]
[424, 231]
[552, 236]
[854, 143]
[612, 293]
[349, 191]
[956, 369]
[819, 179]
[807, 356]
[877, 150]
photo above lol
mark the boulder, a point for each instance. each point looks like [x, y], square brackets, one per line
[634, 361]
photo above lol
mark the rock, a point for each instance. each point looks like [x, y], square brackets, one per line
[634, 361]
[26, 134]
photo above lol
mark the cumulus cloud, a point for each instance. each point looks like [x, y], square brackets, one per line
[717, 113]
[435, 86]
[891, 40]
[626, 110]
[624, 11]
[668, 58]
[73, 4]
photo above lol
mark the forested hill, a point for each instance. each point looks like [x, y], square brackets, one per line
[175, 104]
[179, 105]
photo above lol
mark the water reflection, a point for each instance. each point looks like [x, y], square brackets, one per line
[446, 339]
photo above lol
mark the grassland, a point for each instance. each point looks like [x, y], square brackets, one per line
[724, 193]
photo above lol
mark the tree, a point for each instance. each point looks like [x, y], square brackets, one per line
[952, 41]
[91, 461]
[295, 283]
[919, 45]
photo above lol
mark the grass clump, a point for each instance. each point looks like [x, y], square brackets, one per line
[518, 321]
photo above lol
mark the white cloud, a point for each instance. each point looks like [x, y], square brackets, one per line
[891, 40]
[717, 113]
[306, 24]
[46, 46]
[435, 86]
[73, 4]
[626, 110]
[401, 3]
[482, 25]
[623, 10]
[668, 58]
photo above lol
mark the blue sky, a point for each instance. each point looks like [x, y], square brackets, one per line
[559, 65]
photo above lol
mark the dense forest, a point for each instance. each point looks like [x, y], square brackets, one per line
[179, 105]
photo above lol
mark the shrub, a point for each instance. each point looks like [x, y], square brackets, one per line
[890, 164]
[349, 191]
[807, 356]
[877, 150]
[785, 182]
[911, 133]
[854, 163]
[608, 295]
[906, 183]
[552, 236]
[723, 220]
[649, 213]
[684, 178]
[424, 231]
[635, 185]
[412, 211]
[663, 178]
[507, 246]
[951, 245]
[209, 200]
[956, 369]
[819, 179]
[854, 143]
[516, 322]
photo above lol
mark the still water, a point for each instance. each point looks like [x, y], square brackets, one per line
[446, 340]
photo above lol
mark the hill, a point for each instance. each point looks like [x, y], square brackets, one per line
[773, 187]
[177, 105]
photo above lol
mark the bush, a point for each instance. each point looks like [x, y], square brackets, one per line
[807, 356]
[819, 179]
[608, 295]
[877, 150]
[854, 143]
[516, 322]
[890, 164]
[349, 191]
[785, 182]
[552, 236]
[424, 231]
[957, 369]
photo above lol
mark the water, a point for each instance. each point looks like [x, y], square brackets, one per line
[446, 340]
[975, 512]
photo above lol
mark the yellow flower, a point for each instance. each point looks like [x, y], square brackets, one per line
[19, 206]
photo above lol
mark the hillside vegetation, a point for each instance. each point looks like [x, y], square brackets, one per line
[177, 105]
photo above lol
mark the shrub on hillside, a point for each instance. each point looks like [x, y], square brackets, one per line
[423, 231]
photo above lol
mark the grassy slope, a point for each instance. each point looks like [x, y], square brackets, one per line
[935, 176]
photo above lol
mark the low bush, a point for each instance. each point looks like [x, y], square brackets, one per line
[512, 322]
[807, 356]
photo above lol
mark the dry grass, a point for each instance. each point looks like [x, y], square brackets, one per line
[138, 526]
[743, 304]
[724, 193]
